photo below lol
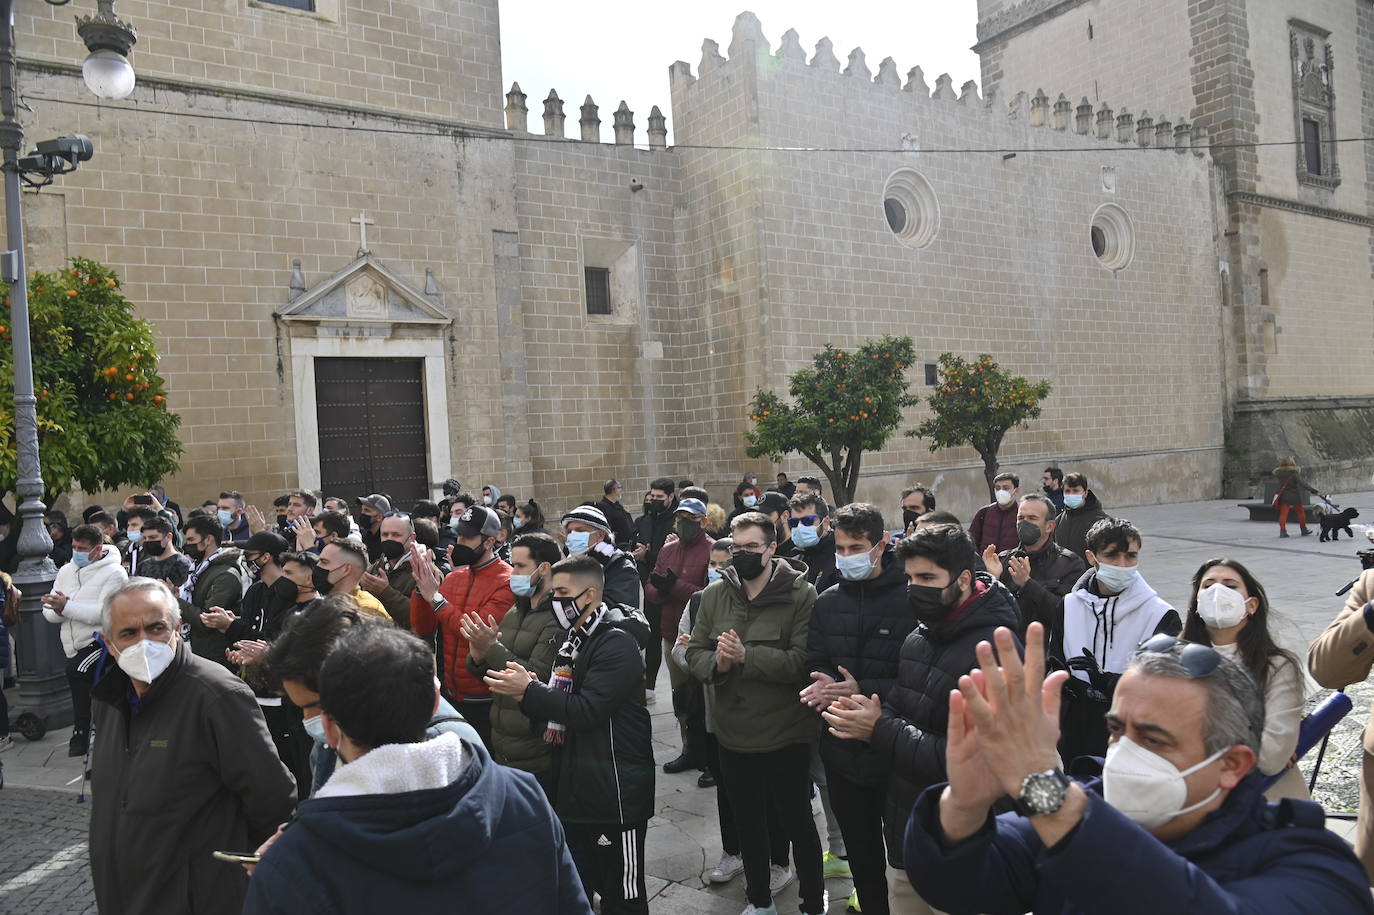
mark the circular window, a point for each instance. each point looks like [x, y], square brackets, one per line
[910, 207]
[1113, 237]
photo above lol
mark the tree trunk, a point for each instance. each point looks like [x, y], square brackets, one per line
[840, 493]
[989, 472]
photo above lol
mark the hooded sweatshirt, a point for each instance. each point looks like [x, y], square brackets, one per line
[1110, 627]
[85, 588]
[426, 827]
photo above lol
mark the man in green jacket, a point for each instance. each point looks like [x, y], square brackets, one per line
[530, 635]
[216, 583]
[749, 642]
[390, 578]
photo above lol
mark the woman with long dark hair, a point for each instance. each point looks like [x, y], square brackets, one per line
[1230, 611]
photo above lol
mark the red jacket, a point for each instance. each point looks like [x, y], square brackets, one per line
[996, 525]
[485, 592]
[689, 562]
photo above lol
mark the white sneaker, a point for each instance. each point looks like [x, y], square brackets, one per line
[727, 869]
[7, 742]
[779, 877]
[649, 697]
[755, 910]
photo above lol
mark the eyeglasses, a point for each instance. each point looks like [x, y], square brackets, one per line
[1199, 660]
[809, 521]
[396, 514]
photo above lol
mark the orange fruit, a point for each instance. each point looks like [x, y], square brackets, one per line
[128, 397]
[158, 399]
[71, 293]
[113, 396]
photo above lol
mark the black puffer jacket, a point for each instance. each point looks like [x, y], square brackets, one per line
[860, 626]
[605, 765]
[623, 587]
[819, 559]
[915, 718]
[1053, 573]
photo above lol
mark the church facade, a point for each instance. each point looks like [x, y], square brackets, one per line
[374, 264]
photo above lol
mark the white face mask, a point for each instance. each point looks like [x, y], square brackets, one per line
[1003, 497]
[1117, 578]
[147, 660]
[1221, 607]
[1146, 787]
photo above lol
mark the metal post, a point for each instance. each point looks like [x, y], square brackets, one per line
[42, 663]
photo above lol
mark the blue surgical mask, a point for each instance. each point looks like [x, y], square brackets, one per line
[1073, 500]
[315, 728]
[806, 536]
[134, 536]
[522, 585]
[454, 522]
[854, 568]
[750, 501]
[81, 559]
[226, 518]
[517, 522]
[578, 542]
[1117, 578]
[712, 575]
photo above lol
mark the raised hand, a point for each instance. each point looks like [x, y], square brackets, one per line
[992, 562]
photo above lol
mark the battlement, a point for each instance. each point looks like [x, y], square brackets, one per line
[623, 120]
[749, 47]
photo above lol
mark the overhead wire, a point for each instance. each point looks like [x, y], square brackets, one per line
[499, 136]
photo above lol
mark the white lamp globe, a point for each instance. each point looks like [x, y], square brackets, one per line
[108, 74]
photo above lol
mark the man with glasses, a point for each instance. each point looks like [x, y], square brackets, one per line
[749, 642]
[1177, 823]
[807, 538]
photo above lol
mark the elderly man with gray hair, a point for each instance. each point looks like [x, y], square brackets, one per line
[183, 766]
[1177, 822]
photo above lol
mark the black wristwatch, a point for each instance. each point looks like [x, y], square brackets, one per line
[1042, 793]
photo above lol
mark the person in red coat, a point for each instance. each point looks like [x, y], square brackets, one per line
[995, 523]
[679, 573]
[479, 584]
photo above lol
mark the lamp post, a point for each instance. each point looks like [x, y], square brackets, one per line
[42, 688]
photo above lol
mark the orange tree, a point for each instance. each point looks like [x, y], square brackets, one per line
[975, 404]
[846, 404]
[103, 420]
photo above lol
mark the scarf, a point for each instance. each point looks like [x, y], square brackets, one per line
[561, 677]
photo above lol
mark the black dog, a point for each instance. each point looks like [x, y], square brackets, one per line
[1332, 525]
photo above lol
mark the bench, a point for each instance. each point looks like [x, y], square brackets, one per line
[1265, 511]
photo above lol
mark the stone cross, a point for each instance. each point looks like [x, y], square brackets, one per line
[362, 222]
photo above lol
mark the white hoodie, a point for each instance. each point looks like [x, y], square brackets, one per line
[1112, 628]
[85, 589]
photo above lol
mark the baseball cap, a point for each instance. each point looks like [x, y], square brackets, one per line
[691, 506]
[263, 542]
[772, 502]
[377, 502]
[587, 514]
[478, 520]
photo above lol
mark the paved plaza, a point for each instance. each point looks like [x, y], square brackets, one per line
[42, 826]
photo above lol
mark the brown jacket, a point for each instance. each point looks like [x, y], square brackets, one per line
[1344, 653]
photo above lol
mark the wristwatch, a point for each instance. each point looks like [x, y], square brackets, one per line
[1042, 793]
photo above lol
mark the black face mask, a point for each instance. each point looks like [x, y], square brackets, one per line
[687, 531]
[393, 550]
[654, 507]
[928, 604]
[909, 517]
[281, 519]
[464, 555]
[284, 590]
[150, 549]
[320, 579]
[194, 551]
[747, 565]
[1027, 532]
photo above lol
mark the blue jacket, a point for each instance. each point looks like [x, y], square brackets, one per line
[1248, 856]
[489, 841]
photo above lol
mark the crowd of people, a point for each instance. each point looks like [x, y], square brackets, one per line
[350, 707]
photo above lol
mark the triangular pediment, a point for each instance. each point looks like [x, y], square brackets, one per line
[365, 292]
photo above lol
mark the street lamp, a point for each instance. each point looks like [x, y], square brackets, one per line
[43, 696]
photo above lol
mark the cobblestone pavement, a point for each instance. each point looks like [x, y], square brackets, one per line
[43, 865]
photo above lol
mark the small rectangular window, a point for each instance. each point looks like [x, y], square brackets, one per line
[1312, 145]
[932, 374]
[307, 5]
[598, 290]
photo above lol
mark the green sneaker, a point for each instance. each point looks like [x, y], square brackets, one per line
[835, 866]
[853, 904]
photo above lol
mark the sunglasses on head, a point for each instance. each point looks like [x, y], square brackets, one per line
[809, 521]
[1199, 660]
